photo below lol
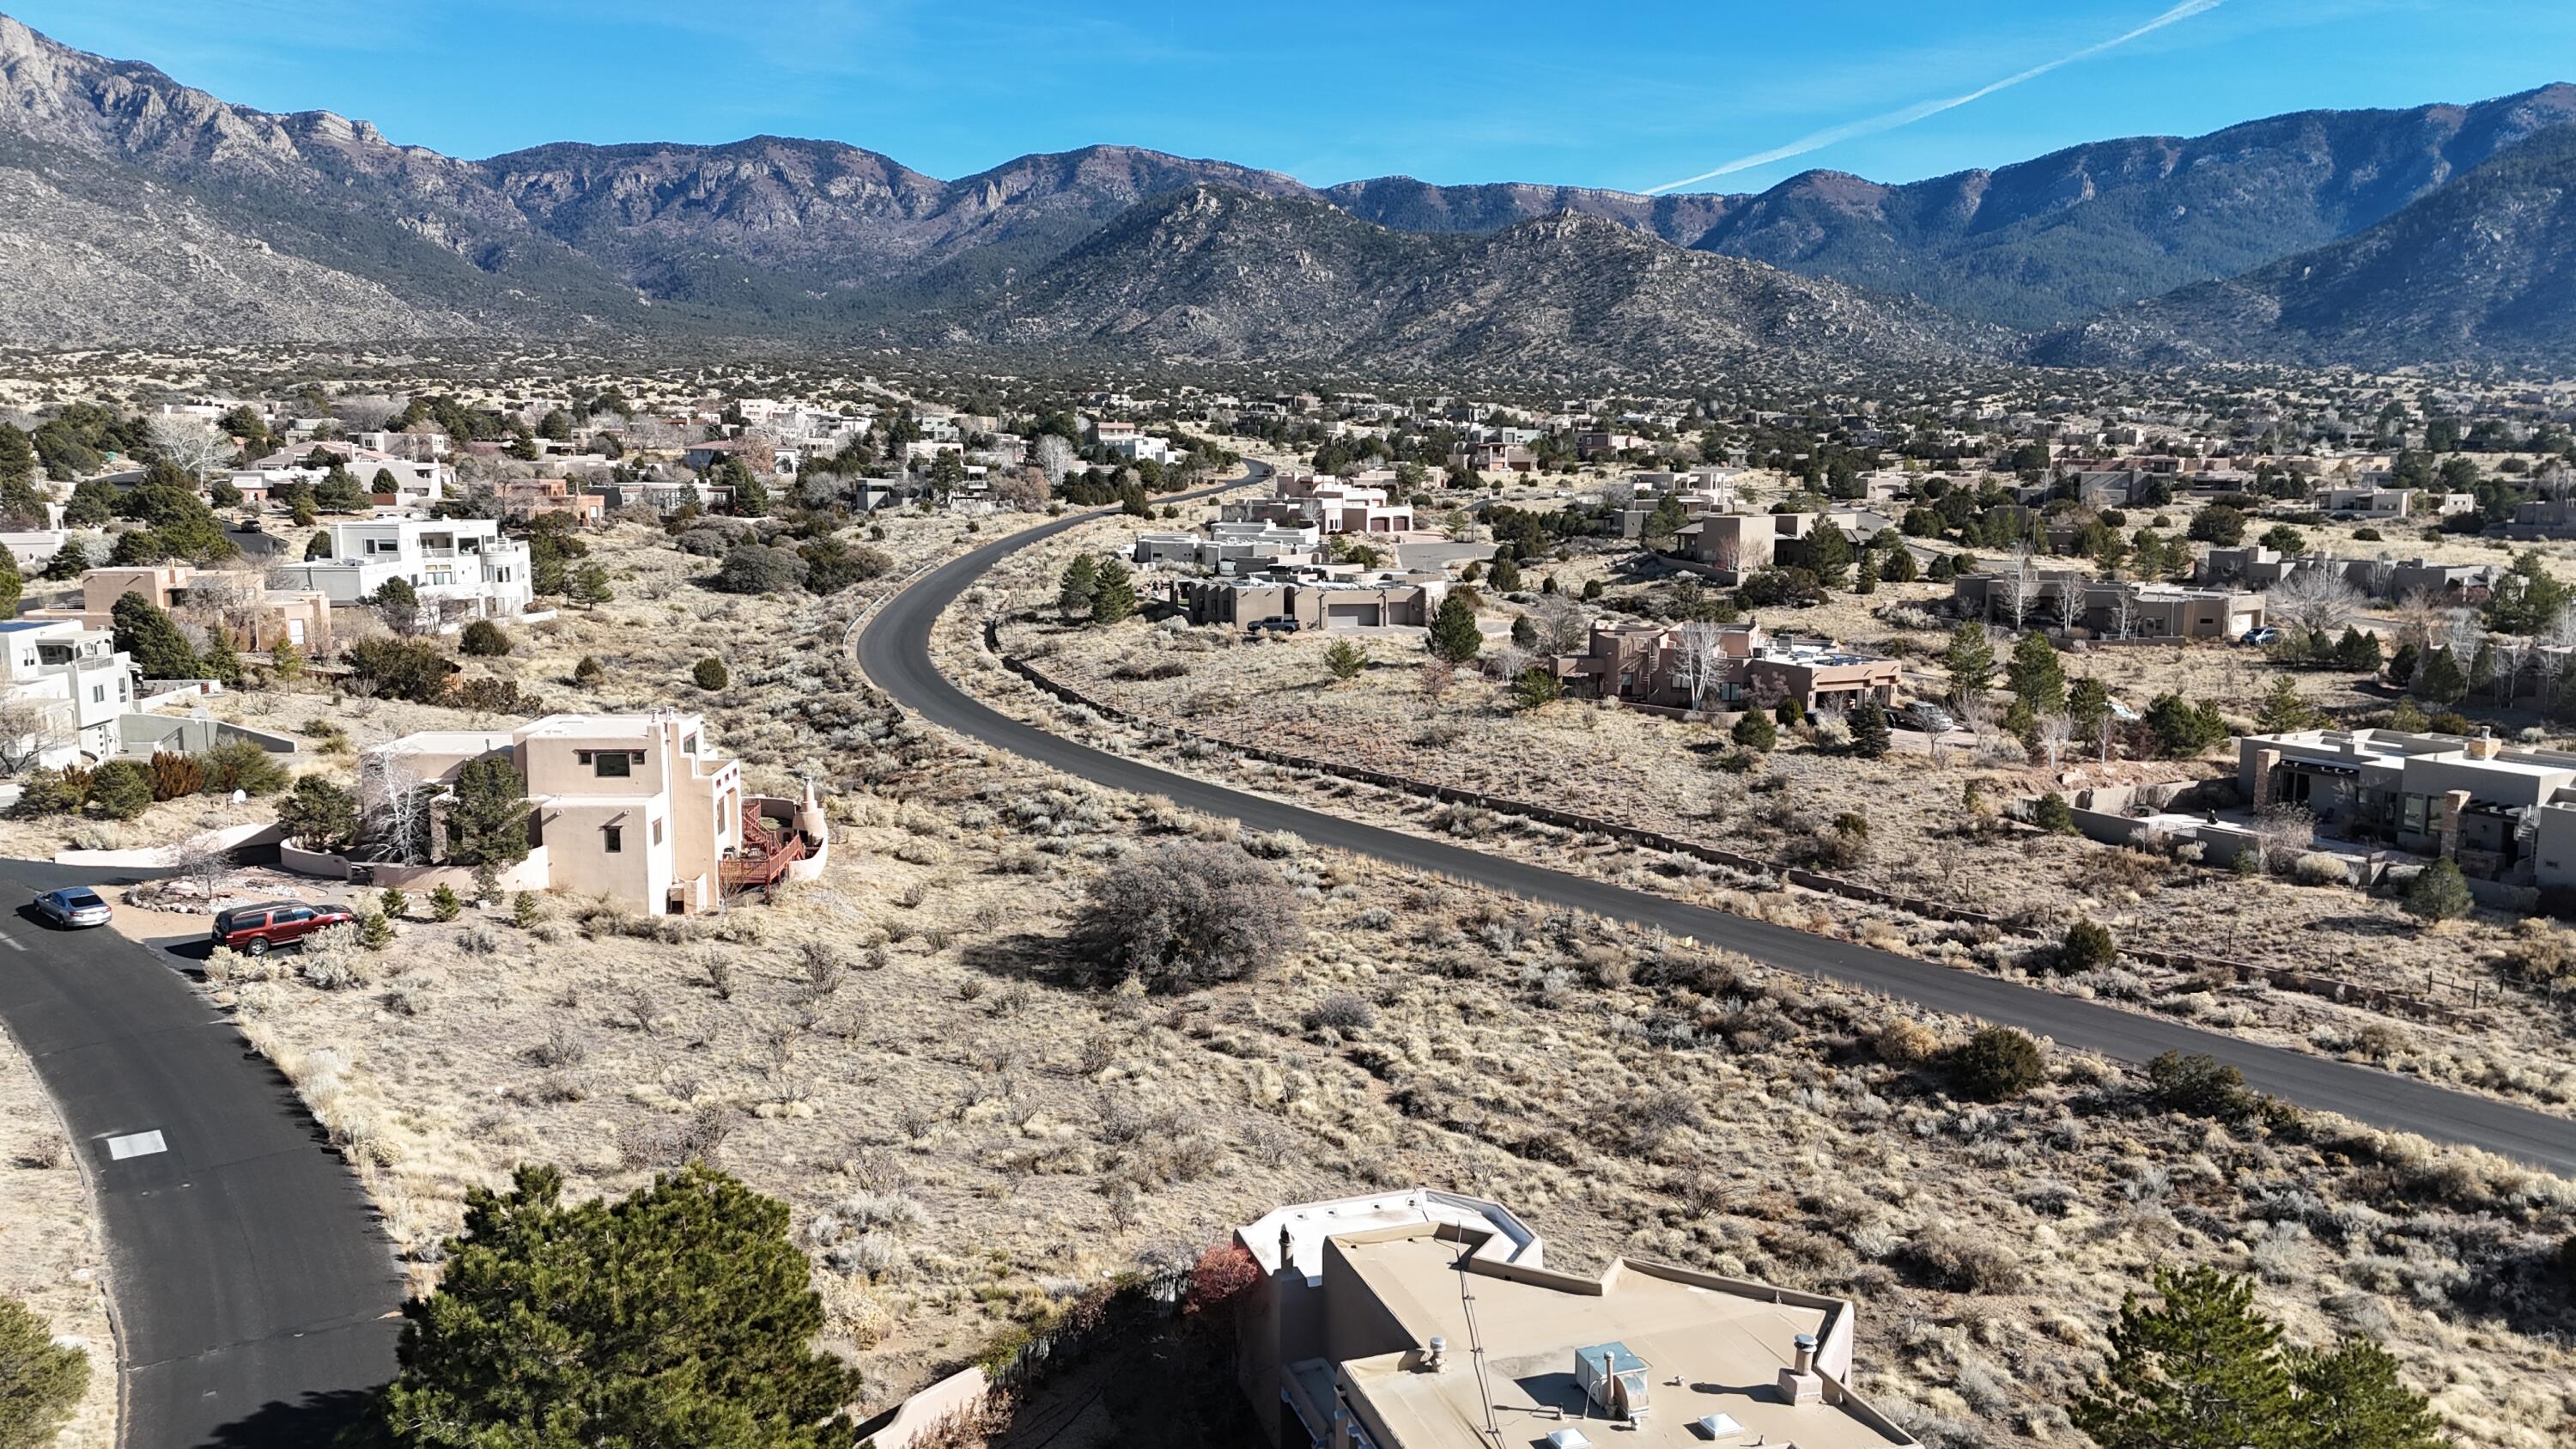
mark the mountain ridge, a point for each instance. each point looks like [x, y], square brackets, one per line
[2482, 270]
[260, 225]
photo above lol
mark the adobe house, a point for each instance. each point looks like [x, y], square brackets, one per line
[1425, 1320]
[2500, 812]
[641, 809]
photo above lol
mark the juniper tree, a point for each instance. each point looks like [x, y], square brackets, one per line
[680, 1314]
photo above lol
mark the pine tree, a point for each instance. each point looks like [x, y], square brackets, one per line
[2284, 710]
[2483, 667]
[160, 651]
[678, 1315]
[2038, 678]
[1113, 593]
[13, 585]
[1970, 661]
[1454, 635]
[1869, 732]
[1506, 574]
[2200, 1370]
[2088, 704]
[2357, 650]
[1073, 595]
[2351, 1398]
[2441, 680]
[1755, 731]
[2402, 665]
[1898, 566]
[218, 659]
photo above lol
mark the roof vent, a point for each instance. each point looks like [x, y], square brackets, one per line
[1568, 1439]
[1713, 1427]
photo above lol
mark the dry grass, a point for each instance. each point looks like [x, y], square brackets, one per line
[1924, 836]
[50, 1257]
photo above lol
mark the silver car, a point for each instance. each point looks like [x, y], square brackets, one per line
[73, 906]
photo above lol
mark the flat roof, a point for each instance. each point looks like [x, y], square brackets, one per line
[594, 726]
[1726, 1348]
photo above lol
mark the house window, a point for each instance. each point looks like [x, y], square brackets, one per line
[613, 764]
[612, 838]
[657, 832]
[689, 746]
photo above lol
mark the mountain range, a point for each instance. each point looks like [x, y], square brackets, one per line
[135, 209]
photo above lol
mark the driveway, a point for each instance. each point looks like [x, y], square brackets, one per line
[253, 1290]
[895, 652]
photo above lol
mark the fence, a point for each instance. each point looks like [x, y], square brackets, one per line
[2281, 977]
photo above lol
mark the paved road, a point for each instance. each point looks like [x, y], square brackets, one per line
[895, 651]
[251, 1281]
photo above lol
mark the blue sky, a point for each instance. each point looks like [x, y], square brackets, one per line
[1630, 96]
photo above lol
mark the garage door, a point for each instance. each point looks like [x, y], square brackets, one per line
[1350, 616]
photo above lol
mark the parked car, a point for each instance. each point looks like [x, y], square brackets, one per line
[2258, 637]
[257, 930]
[1275, 624]
[1928, 717]
[73, 906]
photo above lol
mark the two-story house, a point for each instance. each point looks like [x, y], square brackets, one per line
[641, 809]
[76, 679]
[463, 568]
[253, 616]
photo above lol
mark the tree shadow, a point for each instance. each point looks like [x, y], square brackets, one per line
[2358, 925]
[1025, 955]
[314, 1421]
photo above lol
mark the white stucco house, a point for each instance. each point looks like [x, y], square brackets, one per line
[464, 568]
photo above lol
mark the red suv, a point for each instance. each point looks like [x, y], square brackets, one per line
[254, 930]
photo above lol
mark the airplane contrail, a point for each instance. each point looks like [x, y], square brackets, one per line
[1920, 110]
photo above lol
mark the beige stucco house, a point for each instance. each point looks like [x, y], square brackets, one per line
[639, 808]
[1426, 1320]
[254, 615]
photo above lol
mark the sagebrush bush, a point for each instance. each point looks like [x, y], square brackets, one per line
[1341, 1011]
[1186, 914]
[1960, 1263]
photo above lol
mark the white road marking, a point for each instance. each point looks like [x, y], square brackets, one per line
[135, 1144]
[10, 941]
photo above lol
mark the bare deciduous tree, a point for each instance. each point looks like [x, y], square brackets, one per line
[2282, 833]
[2419, 617]
[1054, 458]
[394, 806]
[2053, 731]
[29, 729]
[1564, 624]
[203, 861]
[2313, 599]
[1022, 488]
[190, 445]
[1698, 666]
[2015, 582]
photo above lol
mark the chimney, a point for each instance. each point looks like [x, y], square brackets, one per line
[2484, 747]
[1805, 1344]
[1436, 1358]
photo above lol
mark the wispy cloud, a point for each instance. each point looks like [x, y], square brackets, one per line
[1921, 110]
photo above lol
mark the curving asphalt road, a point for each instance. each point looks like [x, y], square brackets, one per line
[254, 1291]
[895, 651]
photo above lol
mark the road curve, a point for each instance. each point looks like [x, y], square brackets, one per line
[252, 1285]
[894, 649]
